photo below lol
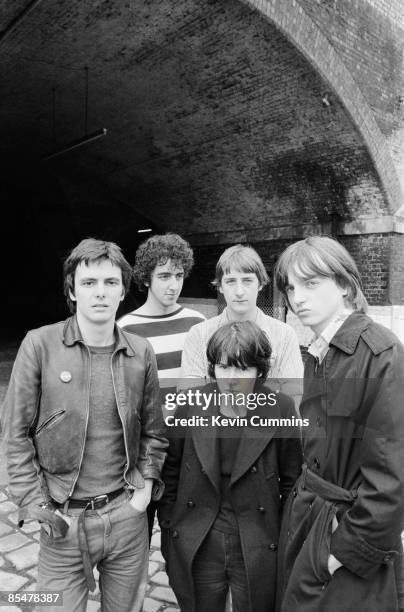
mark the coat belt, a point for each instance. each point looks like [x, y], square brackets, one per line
[323, 488]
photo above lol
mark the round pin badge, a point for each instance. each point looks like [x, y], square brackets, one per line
[65, 376]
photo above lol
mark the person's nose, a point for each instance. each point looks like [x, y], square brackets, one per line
[299, 296]
[174, 283]
[232, 372]
[239, 289]
[100, 289]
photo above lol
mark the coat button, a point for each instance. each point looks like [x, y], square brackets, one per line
[273, 546]
[294, 492]
[316, 463]
[190, 504]
[261, 509]
[387, 559]
[253, 469]
[175, 534]
[65, 376]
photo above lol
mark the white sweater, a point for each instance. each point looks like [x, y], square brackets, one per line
[286, 360]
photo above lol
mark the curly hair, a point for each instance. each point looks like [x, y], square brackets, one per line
[91, 250]
[157, 250]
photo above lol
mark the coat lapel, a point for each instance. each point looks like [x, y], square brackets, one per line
[206, 446]
[253, 441]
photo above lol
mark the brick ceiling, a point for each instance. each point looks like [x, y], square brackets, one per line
[214, 119]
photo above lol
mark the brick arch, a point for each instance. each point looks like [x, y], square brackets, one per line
[291, 19]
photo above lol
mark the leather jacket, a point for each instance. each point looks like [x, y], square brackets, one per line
[45, 413]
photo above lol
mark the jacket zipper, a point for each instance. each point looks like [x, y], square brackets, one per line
[87, 418]
[120, 416]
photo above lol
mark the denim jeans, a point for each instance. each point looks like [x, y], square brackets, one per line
[118, 544]
[219, 566]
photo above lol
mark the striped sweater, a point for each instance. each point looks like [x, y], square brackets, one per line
[166, 334]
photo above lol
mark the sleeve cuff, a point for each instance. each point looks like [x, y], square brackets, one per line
[357, 555]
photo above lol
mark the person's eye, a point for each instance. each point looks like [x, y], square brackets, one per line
[312, 282]
[222, 366]
[179, 276]
[289, 289]
[87, 283]
[113, 282]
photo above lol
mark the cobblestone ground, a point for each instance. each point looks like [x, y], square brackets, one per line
[19, 547]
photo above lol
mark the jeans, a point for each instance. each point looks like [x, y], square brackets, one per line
[218, 566]
[118, 544]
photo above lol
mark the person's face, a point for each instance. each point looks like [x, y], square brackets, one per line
[315, 300]
[231, 379]
[98, 290]
[166, 284]
[240, 290]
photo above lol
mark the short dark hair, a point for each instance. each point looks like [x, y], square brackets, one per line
[241, 258]
[322, 256]
[88, 251]
[242, 344]
[157, 250]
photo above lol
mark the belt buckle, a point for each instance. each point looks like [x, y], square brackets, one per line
[99, 498]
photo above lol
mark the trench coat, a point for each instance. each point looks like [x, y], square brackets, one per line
[265, 470]
[353, 471]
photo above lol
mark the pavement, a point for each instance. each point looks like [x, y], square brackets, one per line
[19, 547]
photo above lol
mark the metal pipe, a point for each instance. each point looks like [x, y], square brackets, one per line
[77, 143]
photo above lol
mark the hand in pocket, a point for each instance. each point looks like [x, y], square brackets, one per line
[140, 500]
[333, 563]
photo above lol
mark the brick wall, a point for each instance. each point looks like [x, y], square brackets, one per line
[372, 253]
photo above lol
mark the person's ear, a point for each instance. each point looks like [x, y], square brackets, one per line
[344, 290]
[71, 295]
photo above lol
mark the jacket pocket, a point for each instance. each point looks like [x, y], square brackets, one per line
[310, 576]
[49, 422]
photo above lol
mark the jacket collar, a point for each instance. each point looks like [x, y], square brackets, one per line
[72, 335]
[347, 337]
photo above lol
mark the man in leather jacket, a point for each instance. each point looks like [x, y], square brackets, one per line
[84, 438]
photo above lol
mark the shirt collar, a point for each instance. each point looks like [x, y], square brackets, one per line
[72, 334]
[319, 346]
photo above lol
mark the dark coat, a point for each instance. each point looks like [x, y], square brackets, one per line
[265, 470]
[354, 401]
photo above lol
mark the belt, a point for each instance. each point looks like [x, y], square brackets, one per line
[92, 503]
[325, 489]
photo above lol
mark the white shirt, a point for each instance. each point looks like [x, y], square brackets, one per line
[320, 345]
